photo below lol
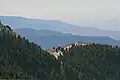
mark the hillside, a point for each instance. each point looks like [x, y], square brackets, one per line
[41, 37]
[91, 62]
[55, 25]
[21, 59]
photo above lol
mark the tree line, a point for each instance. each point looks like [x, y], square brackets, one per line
[22, 59]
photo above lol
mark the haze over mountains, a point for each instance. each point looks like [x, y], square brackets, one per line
[48, 39]
[56, 25]
[60, 39]
[23, 59]
[53, 33]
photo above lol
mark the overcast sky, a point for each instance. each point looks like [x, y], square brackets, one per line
[84, 12]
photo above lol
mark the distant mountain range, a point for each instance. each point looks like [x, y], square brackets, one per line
[24, 60]
[56, 25]
[44, 32]
[48, 39]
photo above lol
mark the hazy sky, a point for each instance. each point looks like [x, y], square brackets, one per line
[84, 12]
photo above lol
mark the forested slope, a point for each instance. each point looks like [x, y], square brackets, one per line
[92, 62]
[21, 59]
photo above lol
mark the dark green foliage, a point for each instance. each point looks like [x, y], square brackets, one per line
[20, 59]
[8, 27]
[92, 62]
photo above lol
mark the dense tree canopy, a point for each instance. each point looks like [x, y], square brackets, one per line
[92, 62]
[22, 59]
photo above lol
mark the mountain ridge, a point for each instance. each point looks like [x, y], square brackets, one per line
[22, 59]
[57, 25]
[50, 39]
